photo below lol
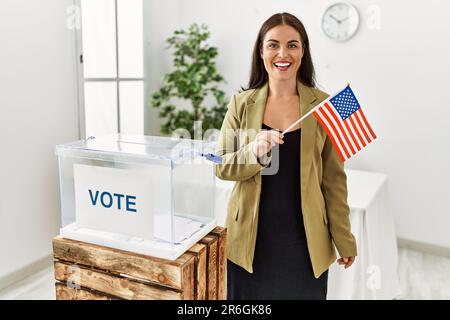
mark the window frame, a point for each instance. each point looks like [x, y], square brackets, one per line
[81, 79]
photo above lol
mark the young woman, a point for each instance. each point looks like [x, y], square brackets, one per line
[289, 203]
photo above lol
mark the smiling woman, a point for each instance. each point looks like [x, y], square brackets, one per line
[283, 54]
[283, 218]
[292, 41]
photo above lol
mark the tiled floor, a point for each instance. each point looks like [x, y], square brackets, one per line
[40, 286]
[422, 276]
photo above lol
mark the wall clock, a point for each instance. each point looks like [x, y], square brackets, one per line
[340, 21]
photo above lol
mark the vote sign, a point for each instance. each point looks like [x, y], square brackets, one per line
[114, 200]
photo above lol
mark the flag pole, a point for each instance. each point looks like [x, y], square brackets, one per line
[298, 121]
[311, 111]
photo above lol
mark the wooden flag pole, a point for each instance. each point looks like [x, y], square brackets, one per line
[310, 111]
[298, 121]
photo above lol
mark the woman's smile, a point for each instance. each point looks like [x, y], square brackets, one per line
[282, 65]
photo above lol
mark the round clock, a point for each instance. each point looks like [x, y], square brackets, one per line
[340, 21]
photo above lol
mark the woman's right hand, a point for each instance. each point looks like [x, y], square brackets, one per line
[265, 140]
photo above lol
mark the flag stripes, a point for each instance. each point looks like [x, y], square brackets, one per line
[348, 135]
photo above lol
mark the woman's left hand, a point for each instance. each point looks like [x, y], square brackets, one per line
[347, 261]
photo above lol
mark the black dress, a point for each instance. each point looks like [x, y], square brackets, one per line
[281, 266]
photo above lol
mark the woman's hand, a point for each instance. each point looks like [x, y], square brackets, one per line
[265, 140]
[347, 261]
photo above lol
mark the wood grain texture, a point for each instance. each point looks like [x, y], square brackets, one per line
[156, 270]
[188, 281]
[112, 285]
[221, 233]
[86, 271]
[198, 250]
[63, 292]
[211, 256]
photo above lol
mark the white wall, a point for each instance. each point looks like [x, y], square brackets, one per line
[160, 19]
[401, 73]
[37, 111]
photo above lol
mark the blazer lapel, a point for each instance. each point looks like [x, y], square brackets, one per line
[308, 135]
[256, 104]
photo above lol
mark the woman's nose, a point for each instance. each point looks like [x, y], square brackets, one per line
[282, 52]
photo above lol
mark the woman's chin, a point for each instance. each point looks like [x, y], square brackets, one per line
[282, 77]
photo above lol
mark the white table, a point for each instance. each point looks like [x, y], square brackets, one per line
[374, 273]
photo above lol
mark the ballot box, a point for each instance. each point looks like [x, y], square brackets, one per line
[144, 194]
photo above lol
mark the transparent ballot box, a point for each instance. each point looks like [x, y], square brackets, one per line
[144, 194]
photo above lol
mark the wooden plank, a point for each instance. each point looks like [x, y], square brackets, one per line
[188, 281]
[198, 250]
[63, 292]
[221, 233]
[113, 285]
[211, 256]
[159, 271]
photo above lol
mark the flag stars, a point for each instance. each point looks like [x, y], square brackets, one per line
[345, 103]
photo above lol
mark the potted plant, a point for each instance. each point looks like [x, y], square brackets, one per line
[194, 77]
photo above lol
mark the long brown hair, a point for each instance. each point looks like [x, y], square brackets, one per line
[258, 73]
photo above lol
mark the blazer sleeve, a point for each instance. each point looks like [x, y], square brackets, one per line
[334, 190]
[237, 164]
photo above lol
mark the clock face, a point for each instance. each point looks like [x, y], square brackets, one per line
[340, 21]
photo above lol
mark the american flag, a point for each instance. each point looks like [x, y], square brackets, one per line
[345, 123]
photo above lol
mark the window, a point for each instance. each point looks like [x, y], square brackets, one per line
[111, 67]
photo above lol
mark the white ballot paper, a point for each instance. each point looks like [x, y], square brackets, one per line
[183, 228]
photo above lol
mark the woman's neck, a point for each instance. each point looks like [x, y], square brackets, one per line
[282, 89]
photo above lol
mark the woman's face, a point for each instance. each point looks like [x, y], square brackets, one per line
[282, 52]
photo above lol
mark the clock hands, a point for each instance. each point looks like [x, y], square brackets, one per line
[337, 20]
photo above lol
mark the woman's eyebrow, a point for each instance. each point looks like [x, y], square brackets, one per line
[279, 41]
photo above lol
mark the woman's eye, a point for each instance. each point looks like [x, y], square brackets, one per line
[274, 45]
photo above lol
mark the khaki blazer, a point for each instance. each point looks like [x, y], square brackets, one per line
[323, 182]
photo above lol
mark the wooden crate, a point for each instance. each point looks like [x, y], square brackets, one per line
[221, 234]
[86, 271]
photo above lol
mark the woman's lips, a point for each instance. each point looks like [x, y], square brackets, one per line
[282, 66]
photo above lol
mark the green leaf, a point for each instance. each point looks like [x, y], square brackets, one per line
[194, 76]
